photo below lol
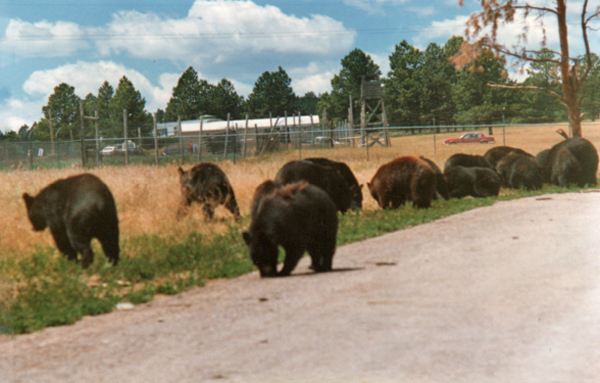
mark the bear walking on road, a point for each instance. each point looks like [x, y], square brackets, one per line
[298, 217]
[208, 185]
[77, 209]
[403, 179]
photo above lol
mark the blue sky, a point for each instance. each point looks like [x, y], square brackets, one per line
[85, 42]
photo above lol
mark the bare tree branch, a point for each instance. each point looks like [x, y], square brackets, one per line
[531, 7]
[529, 87]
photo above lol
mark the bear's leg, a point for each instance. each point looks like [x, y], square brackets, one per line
[232, 206]
[110, 245]
[80, 238]
[63, 244]
[183, 207]
[83, 246]
[321, 253]
[384, 200]
[208, 210]
[292, 256]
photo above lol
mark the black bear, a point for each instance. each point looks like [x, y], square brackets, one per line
[517, 170]
[208, 185]
[344, 171]
[466, 161]
[566, 169]
[322, 176]
[262, 190]
[77, 209]
[298, 217]
[441, 187]
[542, 159]
[495, 154]
[583, 151]
[473, 181]
[403, 179]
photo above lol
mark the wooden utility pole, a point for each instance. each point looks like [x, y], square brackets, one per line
[51, 132]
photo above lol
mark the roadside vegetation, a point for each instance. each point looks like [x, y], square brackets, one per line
[161, 255]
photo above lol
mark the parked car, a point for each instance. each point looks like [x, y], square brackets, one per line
[469, 138]
[109, 151]
[170, 150]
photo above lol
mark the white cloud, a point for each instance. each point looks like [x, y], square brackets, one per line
[423, 11]
[373, 7]
[40, 85]
[87, 77]
[43, 38]
[16, 113]
[219, 31]
[316, 77]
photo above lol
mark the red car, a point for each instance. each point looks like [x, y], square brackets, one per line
[468, 138]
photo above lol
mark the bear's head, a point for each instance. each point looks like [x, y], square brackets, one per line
[35, 213]
[263, 253]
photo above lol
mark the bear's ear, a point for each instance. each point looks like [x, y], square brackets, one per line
[246, 237]
[28, 200]
[180, 170]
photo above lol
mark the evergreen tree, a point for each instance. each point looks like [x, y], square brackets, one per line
[189, 99]
[403, 88]
[535, 106]
[476, 102]
[308, 103]
[223, 99]
[128, 98]
[348, 83]
[64, 105]
[273, 93]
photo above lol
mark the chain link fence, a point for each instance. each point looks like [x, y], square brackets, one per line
[229, 144]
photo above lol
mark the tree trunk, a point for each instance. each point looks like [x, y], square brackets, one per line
[568, 79]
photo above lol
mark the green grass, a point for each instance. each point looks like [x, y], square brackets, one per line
[49, 290]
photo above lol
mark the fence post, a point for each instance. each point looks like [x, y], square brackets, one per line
[245, 135]
[155, 134]
[180, 137]
[200, 139]
[96, 134]
[226, 137]
[51, 132]
[30, 155]
[82, 113]
[125, 136]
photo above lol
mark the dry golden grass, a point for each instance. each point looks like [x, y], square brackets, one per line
[148, 196]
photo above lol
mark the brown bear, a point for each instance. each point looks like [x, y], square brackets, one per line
[77, 209]
[262, 190]
[322, 176]
[466, 161]
[403, 179]
[566, 169]
[582, 151]
[494, 155]
[517, 170]
[208, 185]
[344, 171]
[472, 181]
[441, 187]
[298, 217]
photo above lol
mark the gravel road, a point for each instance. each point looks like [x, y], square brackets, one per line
[507, 293]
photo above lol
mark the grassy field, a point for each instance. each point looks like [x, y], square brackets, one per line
[161, 254]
